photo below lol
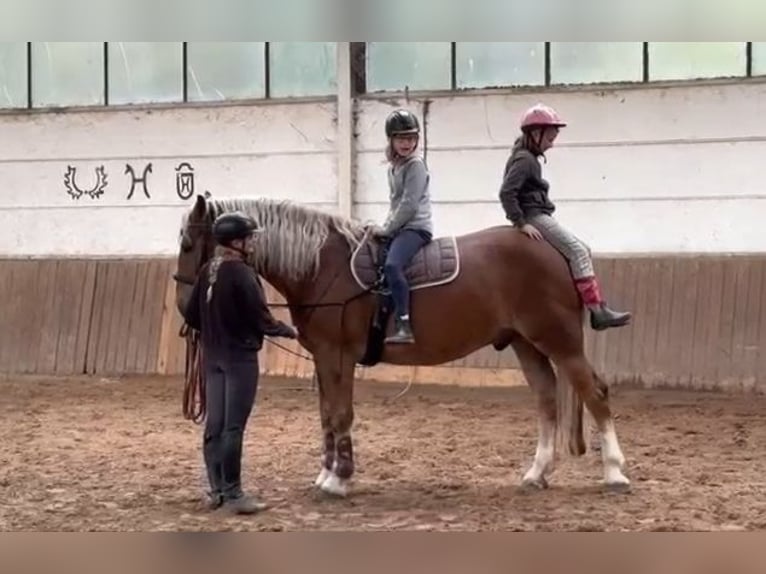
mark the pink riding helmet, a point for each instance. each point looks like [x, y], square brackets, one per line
[541, 115]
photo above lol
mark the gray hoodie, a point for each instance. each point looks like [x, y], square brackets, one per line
[409, 196]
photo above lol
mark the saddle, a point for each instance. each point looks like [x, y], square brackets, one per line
[436, 263]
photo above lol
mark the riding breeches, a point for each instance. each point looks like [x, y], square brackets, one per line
[230, 389]
[574, 250]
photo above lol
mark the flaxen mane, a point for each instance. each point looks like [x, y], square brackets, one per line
[292, 234]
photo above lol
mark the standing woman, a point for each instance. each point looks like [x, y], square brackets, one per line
[524, 197]
[227, 307]
[409, 226]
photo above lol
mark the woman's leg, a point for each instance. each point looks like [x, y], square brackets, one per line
[241, 388]
[214, 390]
[578, 256]
[400, 252]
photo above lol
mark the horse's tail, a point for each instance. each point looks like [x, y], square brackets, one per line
[569, 430]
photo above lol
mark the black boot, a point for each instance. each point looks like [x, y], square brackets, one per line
[602, 317]
[214, 474]
[403, 333]
[244, 504]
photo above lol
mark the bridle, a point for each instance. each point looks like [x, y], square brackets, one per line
[190, 281]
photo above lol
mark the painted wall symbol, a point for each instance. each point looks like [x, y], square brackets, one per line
[76, 192]
[185, 180]
[135, 180]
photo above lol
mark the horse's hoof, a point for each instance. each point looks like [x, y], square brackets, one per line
[323, 475]
[335, 486]
[534, 484]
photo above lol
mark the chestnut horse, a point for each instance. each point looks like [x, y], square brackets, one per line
[510, 290]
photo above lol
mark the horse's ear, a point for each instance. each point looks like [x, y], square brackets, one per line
[200, 207]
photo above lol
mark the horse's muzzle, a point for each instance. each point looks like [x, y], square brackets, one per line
[184, 280]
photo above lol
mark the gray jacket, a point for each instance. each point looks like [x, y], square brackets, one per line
[410, 197]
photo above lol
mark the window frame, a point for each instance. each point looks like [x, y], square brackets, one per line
[549, 85]
[359, 83]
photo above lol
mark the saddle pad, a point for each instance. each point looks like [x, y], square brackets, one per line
[437, 263]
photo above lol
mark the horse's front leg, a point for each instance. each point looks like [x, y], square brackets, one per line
[328, 437]
[336, 380]
[328, 452]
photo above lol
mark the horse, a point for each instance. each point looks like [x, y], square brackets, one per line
[503, 289]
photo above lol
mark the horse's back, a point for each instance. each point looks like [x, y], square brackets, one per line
[504, 253]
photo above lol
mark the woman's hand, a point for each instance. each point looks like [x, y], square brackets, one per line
[531, 231]
[286, 331]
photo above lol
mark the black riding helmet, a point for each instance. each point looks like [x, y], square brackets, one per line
[401, 122]
[231, 226]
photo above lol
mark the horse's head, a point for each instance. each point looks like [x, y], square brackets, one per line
[286, 249]
[196, 246]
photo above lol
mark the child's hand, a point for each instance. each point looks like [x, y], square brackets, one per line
[376, 231]
[531, 231]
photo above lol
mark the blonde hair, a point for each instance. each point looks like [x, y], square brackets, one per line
[290, 234]
[212, 270]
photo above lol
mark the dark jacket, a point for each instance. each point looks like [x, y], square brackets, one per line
[524, 192]
[234, 322]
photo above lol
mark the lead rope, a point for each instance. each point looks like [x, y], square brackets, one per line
[194, 379]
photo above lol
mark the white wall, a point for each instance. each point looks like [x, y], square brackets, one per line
[639, 170]
[274, 150]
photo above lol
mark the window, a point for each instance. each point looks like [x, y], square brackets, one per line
[694, 60]
[225, 70]
[302, 68]
[594, 62]
[141, 72]
[413, 65]
[759, 58]
[13, 74]
[67, 73]
[491, 64]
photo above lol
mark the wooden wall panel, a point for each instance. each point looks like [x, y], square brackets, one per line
[699, 321]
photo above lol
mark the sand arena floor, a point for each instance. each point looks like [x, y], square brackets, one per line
[93, 454]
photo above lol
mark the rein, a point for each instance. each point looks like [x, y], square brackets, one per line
[193, 401]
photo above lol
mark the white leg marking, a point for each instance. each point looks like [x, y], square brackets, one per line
[323, 474]
[543, 463]
[334, 485]
[613, 458]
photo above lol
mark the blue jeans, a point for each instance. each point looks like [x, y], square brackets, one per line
[401, 250]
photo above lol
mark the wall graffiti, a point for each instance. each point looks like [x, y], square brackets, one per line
[135, 180]
[76, 192]
[184, 182]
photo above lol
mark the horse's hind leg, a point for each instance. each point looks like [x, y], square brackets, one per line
[594, 393]
[539, 374]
